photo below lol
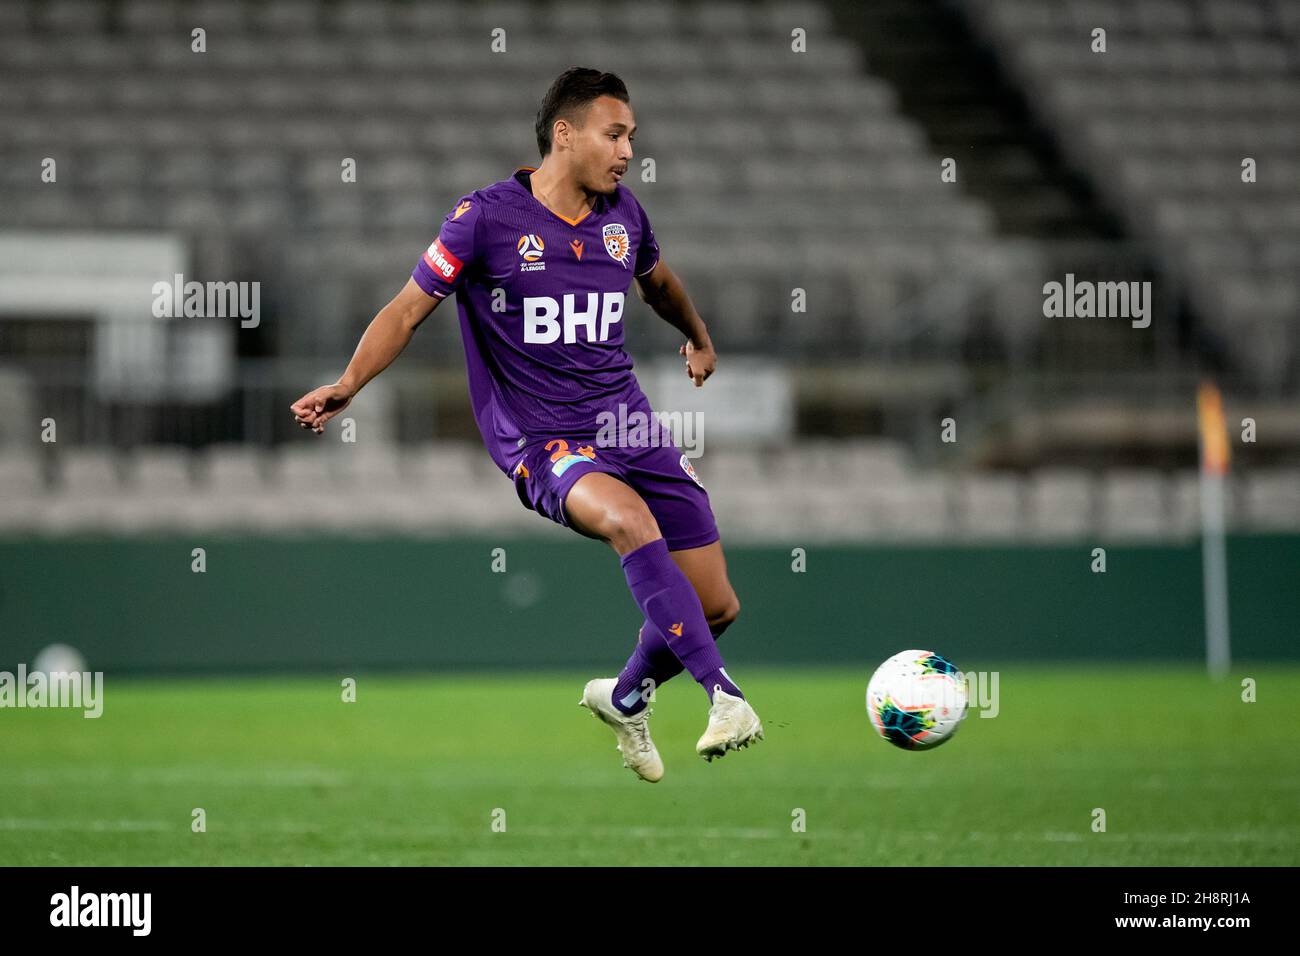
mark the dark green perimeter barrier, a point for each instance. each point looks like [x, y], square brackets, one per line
[322, 603]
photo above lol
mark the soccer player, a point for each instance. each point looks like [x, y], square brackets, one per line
[541, 263]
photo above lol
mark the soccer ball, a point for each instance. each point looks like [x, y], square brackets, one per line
[916, 699]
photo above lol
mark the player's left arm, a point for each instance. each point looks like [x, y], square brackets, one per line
[663, 291]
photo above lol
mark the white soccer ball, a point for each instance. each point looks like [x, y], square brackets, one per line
[916, 699]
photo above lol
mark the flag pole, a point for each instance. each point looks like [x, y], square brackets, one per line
[1214, 455]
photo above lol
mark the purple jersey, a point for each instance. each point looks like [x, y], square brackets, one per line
[541, 301]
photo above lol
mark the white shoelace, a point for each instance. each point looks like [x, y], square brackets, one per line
[640, 728]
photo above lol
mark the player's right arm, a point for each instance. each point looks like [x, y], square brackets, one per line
[383, 341]
[439, 273]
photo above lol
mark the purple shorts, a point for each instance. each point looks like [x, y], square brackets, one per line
[547, 468]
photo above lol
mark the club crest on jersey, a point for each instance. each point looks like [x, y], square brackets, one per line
[690, 470]
[530, 250]
[617, 243]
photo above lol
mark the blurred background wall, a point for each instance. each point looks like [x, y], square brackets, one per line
[867, 226]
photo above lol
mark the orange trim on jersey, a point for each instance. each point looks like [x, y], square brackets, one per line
[571, 222]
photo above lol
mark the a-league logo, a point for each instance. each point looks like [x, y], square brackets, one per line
[530, 247]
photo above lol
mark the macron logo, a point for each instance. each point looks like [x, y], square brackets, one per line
[102, 909]
[440, 260]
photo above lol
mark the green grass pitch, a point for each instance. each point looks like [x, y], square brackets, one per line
[413, 771]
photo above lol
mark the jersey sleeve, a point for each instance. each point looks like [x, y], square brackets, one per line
[647, 253]
[441, 270]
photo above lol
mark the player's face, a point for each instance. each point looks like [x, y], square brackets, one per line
[604, 144]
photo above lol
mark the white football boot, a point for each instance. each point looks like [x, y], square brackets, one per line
[632, 732]
[732, 725]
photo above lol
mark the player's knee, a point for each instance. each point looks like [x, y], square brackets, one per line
[725, 616]
[628, 528]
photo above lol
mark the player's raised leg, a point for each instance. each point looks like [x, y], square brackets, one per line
[653, 662]
[603, 506]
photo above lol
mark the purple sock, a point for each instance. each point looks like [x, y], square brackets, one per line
[651, 665]
[673, 610]
[643, 672]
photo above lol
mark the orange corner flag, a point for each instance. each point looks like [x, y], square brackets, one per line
[1214, 430]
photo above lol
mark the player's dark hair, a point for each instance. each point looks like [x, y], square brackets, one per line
[569, 97]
